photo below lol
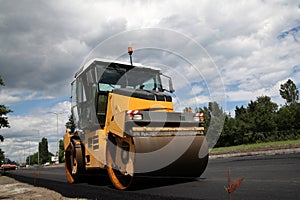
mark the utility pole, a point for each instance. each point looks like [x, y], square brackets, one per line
[57, 113]
[24, 147]
[38, 132]
[29, 152]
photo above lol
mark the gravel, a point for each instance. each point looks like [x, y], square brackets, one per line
[12, 189]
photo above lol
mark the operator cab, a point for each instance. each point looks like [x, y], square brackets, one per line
[98, 78]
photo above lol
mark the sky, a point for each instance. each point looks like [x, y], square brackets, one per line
[226, 51]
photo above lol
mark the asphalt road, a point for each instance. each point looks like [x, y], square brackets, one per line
[265, 177]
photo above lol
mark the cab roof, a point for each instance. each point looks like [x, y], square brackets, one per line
[109, 62]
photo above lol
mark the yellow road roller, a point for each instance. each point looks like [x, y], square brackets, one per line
[126, 125]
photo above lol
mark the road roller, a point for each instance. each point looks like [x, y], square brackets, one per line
[126, 125]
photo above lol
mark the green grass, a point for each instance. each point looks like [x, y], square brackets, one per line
[258, 146]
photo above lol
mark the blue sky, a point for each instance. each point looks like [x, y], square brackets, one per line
[242, 50]
[29, 106]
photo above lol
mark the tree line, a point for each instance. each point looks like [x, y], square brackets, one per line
[3, 121]
[43, 155]
[260, 121]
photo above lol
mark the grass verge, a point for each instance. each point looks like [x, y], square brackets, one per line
[257, 147]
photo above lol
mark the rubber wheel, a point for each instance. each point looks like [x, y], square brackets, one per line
[120, 180]
[73, 164]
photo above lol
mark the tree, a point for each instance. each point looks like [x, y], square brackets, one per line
[251, 123]
[43, 150]
[32, 158]
[296, 108]
[262, 112]
[187, 109]
[71, 124]
[44, 154]
[289, 92]
[227, 135]
[215, 109]
[61, 151]
[206, 113]
[2, 157]
[286, 118]
[216, 117]
[239, 126]
[3, 112]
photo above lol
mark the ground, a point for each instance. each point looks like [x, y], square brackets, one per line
[12, 189]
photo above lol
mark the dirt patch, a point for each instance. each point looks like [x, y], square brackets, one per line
[12, 189]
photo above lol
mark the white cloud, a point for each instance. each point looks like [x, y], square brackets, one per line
[193, 102]
[72, 47]
[23, 132]
[196, 89]
[243, 95]
[8, 99]
[235, 30]
[11, 96]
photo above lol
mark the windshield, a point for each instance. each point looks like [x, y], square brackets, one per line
[134, 78]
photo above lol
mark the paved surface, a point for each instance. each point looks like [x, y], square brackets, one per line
[265, 177]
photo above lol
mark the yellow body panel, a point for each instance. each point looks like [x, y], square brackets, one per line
[95, 142]
[120, 103]
[95, 149]
[67, 139]
[117, 104]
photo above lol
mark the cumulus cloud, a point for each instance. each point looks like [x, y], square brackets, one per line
[50, 39]
[26, 131]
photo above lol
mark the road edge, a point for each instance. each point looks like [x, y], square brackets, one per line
[255, 153]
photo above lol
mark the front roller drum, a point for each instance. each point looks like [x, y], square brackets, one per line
[171, 156]
[74, 163]
[118, 154]
[190, 157]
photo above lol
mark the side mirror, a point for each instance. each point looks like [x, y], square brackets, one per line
[171, 88]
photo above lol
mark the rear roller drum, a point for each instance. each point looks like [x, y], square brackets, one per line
[118, 150]
[74, 164]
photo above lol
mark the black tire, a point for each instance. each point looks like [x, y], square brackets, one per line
[120, 180]
[74, 163]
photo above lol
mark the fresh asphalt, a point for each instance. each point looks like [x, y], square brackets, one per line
[265, 177]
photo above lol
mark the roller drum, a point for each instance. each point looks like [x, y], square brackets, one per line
[174, 156]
